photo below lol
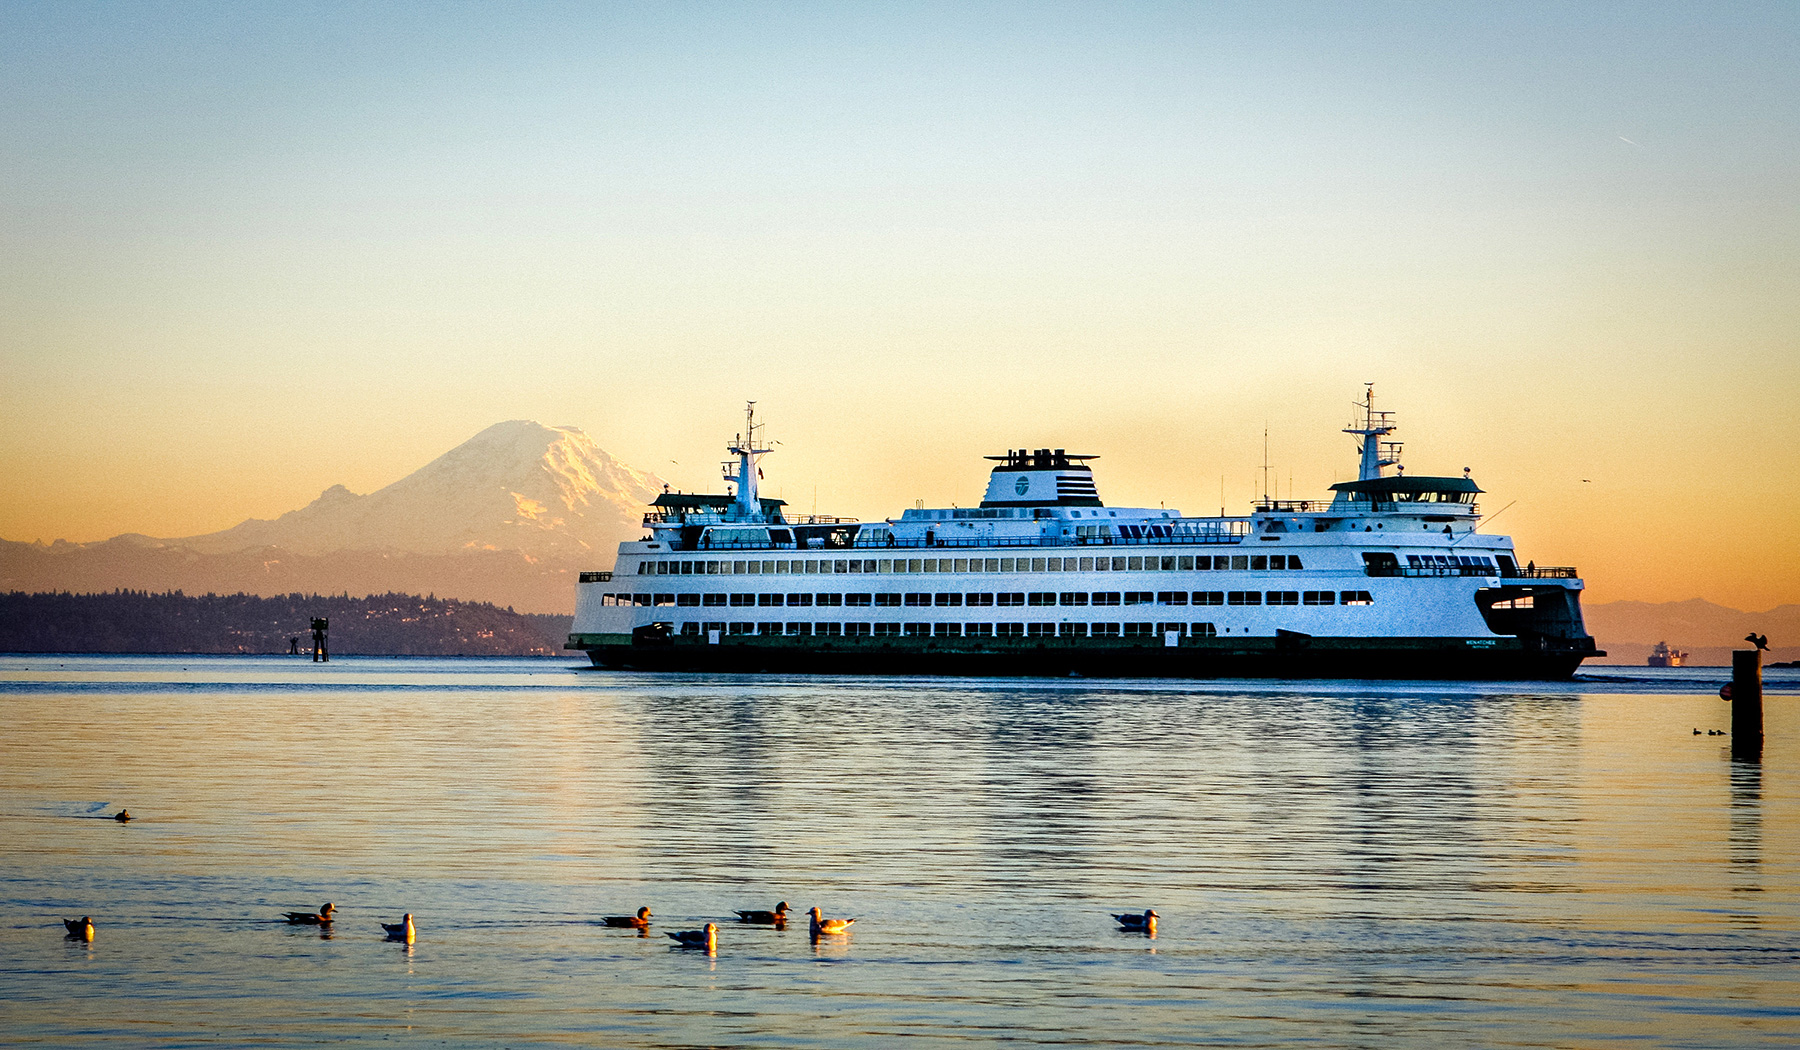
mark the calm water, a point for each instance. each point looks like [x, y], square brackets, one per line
[1337, 865]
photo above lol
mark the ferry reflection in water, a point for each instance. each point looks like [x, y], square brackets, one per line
[1418, 864]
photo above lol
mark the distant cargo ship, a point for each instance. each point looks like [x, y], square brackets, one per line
[1389, 579]
[1663, 656]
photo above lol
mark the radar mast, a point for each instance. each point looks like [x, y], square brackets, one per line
[747, 506]
[1376, 453]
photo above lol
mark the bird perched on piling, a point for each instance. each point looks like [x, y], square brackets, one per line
[1761, 641]
[322, 917]
[402, 930]
[825, 927]
[1145, 923]
[637, 922]
[778, 917]
[81, 929]
[707, 938]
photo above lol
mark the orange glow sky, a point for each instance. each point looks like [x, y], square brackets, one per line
[247, 252]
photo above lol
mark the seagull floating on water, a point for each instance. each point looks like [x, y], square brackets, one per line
[824, 927]
[638, 921]
[306, 918]
[123, 816]
[778, 917]
[1145, 923]
[402, 930]
[81, 929]
[707, 938]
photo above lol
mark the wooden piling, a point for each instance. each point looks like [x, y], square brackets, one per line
[1746, 705]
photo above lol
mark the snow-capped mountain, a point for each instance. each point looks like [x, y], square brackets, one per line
[509, 516]
[546, 491]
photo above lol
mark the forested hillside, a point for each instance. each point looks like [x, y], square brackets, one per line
[380, 624]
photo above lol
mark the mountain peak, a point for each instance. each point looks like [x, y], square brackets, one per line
[334, 494]
[516, 485]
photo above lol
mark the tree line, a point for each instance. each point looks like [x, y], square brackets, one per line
[125, 621]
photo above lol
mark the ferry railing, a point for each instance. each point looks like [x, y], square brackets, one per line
[1430, 570]
[1549, 572]
[863, 543]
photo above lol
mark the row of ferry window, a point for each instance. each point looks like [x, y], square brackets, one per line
[1003, 599]
[821, 566]
[956, 630]
[1449, 562]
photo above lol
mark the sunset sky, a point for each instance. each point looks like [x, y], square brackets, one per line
[248, 251]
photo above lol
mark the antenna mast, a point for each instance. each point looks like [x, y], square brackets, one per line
[1376, 453]
[747, 506]
[1265, 466]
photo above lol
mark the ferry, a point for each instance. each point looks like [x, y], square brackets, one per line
[1390, 578]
